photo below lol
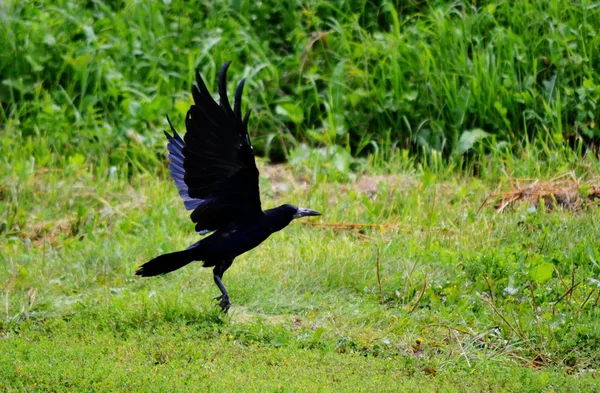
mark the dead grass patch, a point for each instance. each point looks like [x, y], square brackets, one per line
[563, 193]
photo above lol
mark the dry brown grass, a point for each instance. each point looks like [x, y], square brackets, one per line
[563, 192]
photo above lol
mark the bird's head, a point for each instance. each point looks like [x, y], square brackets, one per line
[303, 212]
[292, 212]
[281, 216]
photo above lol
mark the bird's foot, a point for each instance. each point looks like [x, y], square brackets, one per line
[224, 303]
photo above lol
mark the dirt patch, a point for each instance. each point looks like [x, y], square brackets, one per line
[281, 178]
[242, 314]
[568, 194]
[370, 185]
[48, 232]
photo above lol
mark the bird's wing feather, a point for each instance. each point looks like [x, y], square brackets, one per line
[214, 167]
[176, 158]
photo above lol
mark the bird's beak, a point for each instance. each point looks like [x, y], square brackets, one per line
[302, 212]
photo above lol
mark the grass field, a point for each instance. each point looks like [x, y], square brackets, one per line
[443, 296]
[396, 121]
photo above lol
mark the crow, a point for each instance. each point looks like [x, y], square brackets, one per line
[213, 168]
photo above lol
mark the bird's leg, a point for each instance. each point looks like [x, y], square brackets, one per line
[224, 298]
[218, 271]
[222, 288]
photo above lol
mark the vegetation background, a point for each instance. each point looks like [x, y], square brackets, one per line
[399, 117]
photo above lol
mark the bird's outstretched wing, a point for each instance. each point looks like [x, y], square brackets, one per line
[213, 166]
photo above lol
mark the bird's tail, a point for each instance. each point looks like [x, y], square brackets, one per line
[166, 263]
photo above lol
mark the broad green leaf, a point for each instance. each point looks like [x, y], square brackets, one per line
[292, 111]
[342, 160]
[411, 95]
[469, 138]
[76, 159]
[542, 272]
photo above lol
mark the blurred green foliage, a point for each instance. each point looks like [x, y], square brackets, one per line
[97, 78]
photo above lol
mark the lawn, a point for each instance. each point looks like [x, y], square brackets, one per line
[439, 293]
[405, 124]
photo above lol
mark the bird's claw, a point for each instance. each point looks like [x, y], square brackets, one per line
[224, 303]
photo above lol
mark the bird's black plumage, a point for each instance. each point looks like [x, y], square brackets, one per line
[214, 169]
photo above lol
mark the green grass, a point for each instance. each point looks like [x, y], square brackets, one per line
[487, 295]
[450, 100]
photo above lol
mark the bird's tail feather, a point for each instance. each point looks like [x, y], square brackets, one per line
[166, 263]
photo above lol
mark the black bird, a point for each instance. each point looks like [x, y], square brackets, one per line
[214, 170]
